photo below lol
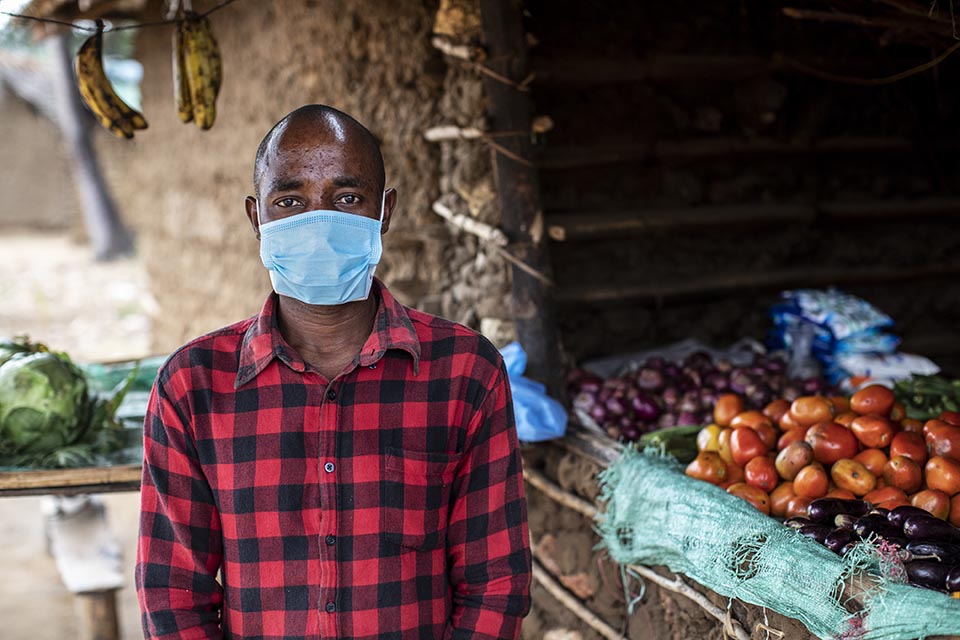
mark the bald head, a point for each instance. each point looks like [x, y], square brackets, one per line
[318, 124]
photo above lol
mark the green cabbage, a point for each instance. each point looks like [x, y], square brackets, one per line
[44, 403]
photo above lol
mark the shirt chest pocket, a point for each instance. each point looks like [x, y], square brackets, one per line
[415, 497]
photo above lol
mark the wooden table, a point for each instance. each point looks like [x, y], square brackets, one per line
[98, 609]
[70, 481]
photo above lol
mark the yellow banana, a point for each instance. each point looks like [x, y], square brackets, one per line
[204, 69]
[113, 113]
[181, 91]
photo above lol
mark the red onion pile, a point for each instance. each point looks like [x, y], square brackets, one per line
[660, 393]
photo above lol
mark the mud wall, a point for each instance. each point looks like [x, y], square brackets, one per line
[183, 188]
[35, 178]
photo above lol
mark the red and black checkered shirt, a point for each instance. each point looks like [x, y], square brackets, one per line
[385, 503]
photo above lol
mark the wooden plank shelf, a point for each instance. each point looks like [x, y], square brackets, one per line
[746, 284]
[564, 69]
[578, 157]
[71, 481]
[578, 225]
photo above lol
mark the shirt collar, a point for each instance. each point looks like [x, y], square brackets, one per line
[262, 342]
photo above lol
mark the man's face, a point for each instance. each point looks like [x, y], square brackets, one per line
[308, 167]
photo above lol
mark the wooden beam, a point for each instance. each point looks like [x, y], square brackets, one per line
[589, 70]
[747, 284]
[83, 480]
[578, 225]
[575, 157]
[518, 188]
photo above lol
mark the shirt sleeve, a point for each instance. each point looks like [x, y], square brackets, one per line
[179, 547]
[487, 542]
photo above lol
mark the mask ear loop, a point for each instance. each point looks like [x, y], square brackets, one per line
[383, 204]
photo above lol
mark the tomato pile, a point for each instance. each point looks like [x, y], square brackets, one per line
[789, 454]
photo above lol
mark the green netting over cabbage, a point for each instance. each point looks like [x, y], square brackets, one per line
[656, 515]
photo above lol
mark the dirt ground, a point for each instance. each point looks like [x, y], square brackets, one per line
[52, 290]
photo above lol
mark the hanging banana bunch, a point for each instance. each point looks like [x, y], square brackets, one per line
[197, 70]
[113, 113]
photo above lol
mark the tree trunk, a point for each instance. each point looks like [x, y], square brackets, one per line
[108, 236]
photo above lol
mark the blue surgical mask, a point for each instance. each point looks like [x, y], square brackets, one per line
[322, 257]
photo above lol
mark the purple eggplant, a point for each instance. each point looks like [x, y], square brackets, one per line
[818, 532]
[837, 539]
[825, 510]
[953, 579]
[655, 362]
[876, 525]
[796, 522]
[687, 419]
[616, 407]
[845, 521]
[584, 401]
[845, 549]
[898, 516]
[929, 574]
[930, 529]
[717, 381]
[940, 551]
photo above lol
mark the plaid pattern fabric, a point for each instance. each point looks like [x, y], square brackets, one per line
[386, 503]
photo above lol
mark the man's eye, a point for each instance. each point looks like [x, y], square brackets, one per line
[348, 199]
[287, 202]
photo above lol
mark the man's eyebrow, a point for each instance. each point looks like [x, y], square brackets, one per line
[349, 181]
[285, 185]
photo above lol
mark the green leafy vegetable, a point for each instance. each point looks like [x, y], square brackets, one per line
[48, 415]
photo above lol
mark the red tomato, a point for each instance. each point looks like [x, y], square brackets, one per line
[873, 431]
[912, 425]
[909, 445]
[757, 497]
[942, 439]
[831, 442]
[709, 467]
[788, 423]
[943, 474]
[903, 473]
[955, 510]
[750, 419]
[842, 494]
[734, 475]
[745, 445]
[951, 417]
[874, 399]
[932, 500]
[812, 482]
[797, 507]
[789, 437]
[780, 497]
[872, 459]
[776, 409]
[809, 410]
[886, 494]
[727, 407]
[762, 474]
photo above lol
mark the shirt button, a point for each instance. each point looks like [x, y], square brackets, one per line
[329, 467]
[331, 540]
[331, 607]
[373, 366]
[331, 394]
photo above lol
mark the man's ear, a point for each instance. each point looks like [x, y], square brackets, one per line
[389, 204]
[253, 209]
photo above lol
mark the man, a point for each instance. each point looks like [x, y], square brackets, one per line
[348, 465]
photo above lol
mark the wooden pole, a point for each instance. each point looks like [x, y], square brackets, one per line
[108, 236]
[98, 615]
[518, 187]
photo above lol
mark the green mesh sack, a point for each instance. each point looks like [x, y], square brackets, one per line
[656, 515]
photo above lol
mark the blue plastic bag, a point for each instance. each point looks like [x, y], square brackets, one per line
[539, 417]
